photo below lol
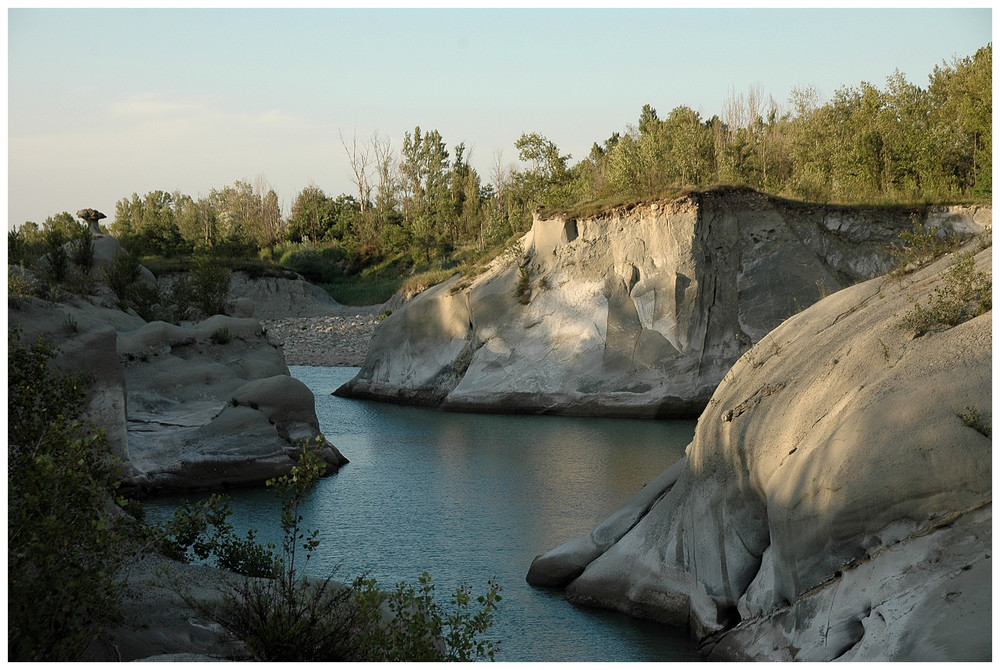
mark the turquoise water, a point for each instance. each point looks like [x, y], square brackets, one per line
[469, 497]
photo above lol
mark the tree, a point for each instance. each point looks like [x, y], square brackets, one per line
[148, 224]
[359, 158]
[545, 180]
[386, 198]
[196, 220]
[311, 214]
[64, 550]
[962, 115]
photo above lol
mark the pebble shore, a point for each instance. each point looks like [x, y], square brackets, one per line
[324, 341]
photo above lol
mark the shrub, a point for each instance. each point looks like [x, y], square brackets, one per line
[920, 247]
[523, 289]
[964, 294]
[145, 300]
[82, 250]
[20, 287]
[221, 336]
[57, 260]
[63, 551]
[120, 274]
[310, 264]
[419, 629]
[290, 617]
[181, 300]
[202, 531]
[18, 248]
[210, 285]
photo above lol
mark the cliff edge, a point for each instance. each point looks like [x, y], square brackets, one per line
[637, 312]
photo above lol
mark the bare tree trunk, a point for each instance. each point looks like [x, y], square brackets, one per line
[359, 158]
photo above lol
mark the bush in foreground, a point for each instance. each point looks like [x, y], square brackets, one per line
[281, 614]
[63, 549]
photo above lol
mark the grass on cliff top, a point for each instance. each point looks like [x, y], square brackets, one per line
[591, 208]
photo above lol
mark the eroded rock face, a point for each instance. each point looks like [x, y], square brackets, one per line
[198, 406]
[276, 297]
[836, 501]
[635, 312]
[212, 405]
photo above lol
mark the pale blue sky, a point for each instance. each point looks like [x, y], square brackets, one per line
[103, 103]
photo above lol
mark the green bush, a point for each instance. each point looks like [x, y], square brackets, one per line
[358, 291]
[145, 300]
[211, 282]
[56, 257]
[63, 550]
[82, 250]
[289, 617]
[964, 294]
[309, 263]
[919, 247]
[203, 531]
[20, 287]
[120, 274]
[181, 300]
[419, 628]
[221, 336]
[523, 289]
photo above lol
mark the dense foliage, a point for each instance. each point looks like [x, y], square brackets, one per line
[63, 548]
[425, 207]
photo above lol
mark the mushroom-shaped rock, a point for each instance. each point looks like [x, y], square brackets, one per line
[92, 216]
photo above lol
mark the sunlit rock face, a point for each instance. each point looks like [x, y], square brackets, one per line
[836, 501]
[638, 311]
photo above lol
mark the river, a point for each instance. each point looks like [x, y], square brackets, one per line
[469, 497]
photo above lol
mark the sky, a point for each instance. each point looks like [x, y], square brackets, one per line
[103, 103]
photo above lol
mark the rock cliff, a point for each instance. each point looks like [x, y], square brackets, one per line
[836, 501]
[638, 311]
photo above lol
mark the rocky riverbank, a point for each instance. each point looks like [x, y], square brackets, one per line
[325, 341]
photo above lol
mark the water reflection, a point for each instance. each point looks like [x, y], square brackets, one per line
[468, 497]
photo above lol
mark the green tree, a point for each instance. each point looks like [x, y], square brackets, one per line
[196, 221]
[962, 116]
[148, 225]
[546, 180]
[63, 547]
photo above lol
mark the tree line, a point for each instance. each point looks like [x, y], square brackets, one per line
[424, 202]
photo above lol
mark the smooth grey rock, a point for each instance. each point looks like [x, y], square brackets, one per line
[833, 503]
[181, 406]
[207, 413]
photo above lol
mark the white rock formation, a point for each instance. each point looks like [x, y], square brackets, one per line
[638, 311]
[836, 501]
[198, 406]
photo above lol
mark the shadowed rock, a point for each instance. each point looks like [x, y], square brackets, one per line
[836, 501]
